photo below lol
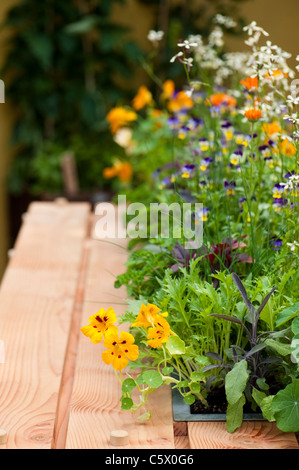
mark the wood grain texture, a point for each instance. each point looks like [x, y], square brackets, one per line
[95, 408]
[36, 304]
[251, 435]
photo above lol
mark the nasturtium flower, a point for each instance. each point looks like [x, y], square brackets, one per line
[148, 315]
[287, 148]
[221, 99]
[250, 83]
[253, 114]
[123, 170]
[180, 100]
[159, 334]
[100, 323]
[168, 89]
[119, 117]
[143, 98]
[271, 128]
[120, 349]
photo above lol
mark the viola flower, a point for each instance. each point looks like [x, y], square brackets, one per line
[276, 243]
[204, 144]
[269, 162]
[173, 122]
[182, 132]
[143, 98]
[120, 117]
[278, 204]
[187, 170]
[253, 114]
[100, 323]
[230, 187]
[235, 157]
[278, 190]
[148, 316]
[250, 83]
[287, 148]
[159, 334]
[120, 349]
[227, 130]
[205, 163]
[203, 214]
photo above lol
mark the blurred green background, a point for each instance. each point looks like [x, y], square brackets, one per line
[66, 63]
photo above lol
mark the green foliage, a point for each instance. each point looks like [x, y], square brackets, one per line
[63, 70]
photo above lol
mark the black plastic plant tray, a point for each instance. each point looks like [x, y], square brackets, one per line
[181, 412]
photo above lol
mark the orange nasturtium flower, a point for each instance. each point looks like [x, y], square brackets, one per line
[148, 315]
[221, 99]
[120, 349]
[143, 98]
[123, 170]
[119, 117]
[168, 89]
[99, 325]
[251, 83]
[271, 128]
[253, 114]
[287, 148]
[159, 334]
[276, 74]
[180, 101]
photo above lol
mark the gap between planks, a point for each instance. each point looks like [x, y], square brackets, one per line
[67, 379]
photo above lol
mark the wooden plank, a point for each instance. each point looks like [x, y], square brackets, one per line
[95, 408]
[36, 304]
[251, 435]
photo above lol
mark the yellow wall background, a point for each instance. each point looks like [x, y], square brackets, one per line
[280, 19]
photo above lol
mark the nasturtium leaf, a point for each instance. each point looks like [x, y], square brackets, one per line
[128, 385]
[175, 346]
[189, 399]
[234, 414]
[126, 403]
[183, 383]
[196, 376]
[167, 370]
[235, 382]
[202, 360]
[152, 378]
[145, 417]
[287, 314]
[195, 387]
[266, 407]
[285, 405]
[281, 348]
[140, 379]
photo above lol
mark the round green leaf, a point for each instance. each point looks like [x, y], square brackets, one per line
[152, 378]
[196, 376]
[285, 405]
[175, 345]
[189, 399]
[128, 385]
[126, 403]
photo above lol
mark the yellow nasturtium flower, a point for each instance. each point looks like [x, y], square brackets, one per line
[287, 148]
[159, 334]
[120, 349]
[120, 117]
[99, 325]
[143, 98]
[148, 315]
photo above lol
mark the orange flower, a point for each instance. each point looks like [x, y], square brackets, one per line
[253, 114]
[287, 148]
[100, 323]
[160, 334]
[119, 117]
[271, 128]
[120, 349]
[251, 83]
[276, 74]
[143, 98]
[221, 99]
[168, 89]
[123, 170]
[148, 315]
[180, 101]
